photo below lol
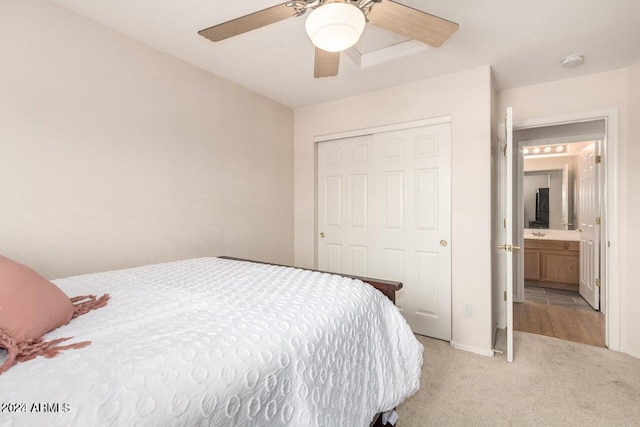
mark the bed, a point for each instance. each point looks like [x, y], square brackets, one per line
[220, 342]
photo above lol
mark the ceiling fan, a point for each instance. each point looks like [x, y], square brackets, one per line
[336, 25]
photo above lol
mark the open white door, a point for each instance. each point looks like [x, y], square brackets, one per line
[590, 220]
[566, 221]
[509, 224]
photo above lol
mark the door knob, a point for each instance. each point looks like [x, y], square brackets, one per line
[322, 235]
[443, 243]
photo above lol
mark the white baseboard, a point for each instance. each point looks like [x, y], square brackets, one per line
[630, 353]
[471, 349]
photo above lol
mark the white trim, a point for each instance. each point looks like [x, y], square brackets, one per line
[566, 119]
[630, 353]
[471, 349]
[501, 231]
[388, 53]
[611, 232]
[384, 128]
[573, 139]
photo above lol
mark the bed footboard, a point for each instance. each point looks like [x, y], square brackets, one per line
[387, 287]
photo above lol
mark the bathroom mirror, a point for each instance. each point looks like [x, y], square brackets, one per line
[547, 199]
[554, 152]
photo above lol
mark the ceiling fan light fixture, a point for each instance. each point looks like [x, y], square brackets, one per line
[335, 26]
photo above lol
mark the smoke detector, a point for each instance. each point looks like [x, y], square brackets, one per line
[572, 61]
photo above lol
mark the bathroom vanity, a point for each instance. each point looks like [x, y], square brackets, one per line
[552, 263]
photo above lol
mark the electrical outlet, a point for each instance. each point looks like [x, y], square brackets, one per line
[467, 310]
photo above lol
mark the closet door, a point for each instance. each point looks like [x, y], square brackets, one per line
[384, 211]
[344, 205]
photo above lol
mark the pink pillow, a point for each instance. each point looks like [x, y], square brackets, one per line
[30, 305]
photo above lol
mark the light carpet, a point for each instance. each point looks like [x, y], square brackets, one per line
[550, 383]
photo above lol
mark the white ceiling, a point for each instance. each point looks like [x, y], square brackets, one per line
[523, 41]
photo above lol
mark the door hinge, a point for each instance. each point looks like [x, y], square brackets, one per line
[505, 295]
[504, 223]
[597, 220]
[504, 150]
[598, 282]
[598, 159]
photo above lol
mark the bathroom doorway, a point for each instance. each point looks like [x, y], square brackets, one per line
[550, 297]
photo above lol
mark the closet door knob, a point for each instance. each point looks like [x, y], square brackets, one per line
[443, 243]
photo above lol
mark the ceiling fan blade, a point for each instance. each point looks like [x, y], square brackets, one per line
[411, 23]
[248, 22]
[326, 64]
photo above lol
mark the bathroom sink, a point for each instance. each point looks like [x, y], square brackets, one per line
[570, 235]
[536, 235]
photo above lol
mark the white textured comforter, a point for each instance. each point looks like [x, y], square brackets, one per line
[218, 342]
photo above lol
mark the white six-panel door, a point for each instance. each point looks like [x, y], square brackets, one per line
[589, 210]
[344, 174]
[384, 211]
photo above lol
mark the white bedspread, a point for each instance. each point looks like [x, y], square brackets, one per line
[220, 343]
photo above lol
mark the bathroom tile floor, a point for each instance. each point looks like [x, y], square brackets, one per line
[540, 295]
[559, 313]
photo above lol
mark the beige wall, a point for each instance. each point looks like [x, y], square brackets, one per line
[113, 154]
[466, 96]
[630, 292]
[619, 90]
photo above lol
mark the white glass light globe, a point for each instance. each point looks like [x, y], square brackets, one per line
[335, 26]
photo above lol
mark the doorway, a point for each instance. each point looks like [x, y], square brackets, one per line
[560, 314]
[556, 231]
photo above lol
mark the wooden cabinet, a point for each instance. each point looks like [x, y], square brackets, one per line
[553, 263]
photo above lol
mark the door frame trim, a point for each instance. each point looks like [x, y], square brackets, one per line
[383, 128]
[611, 231]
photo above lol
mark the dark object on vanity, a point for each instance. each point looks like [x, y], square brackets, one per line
[542, 209]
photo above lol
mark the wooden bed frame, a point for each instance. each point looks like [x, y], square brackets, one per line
[387, 287]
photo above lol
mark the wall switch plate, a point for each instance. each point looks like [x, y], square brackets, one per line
[467, 310]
